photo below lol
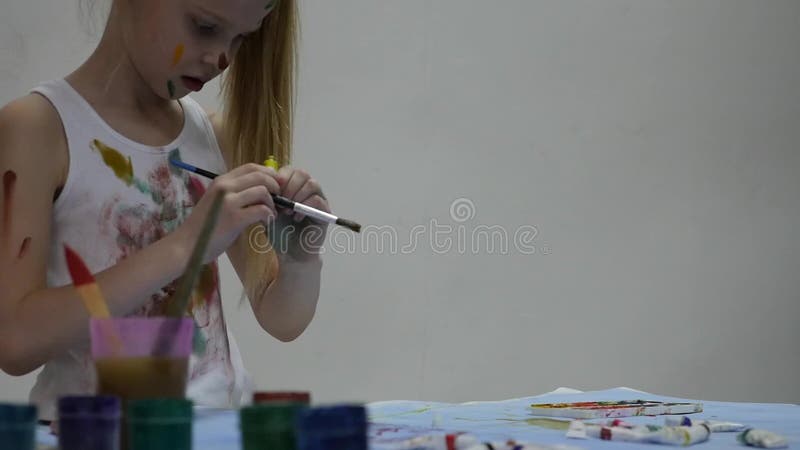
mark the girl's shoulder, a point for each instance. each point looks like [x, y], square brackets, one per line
[31, 133]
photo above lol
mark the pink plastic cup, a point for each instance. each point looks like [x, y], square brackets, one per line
[141, 358]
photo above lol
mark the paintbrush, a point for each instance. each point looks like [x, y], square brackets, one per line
[85, 285]
[284, 202]
[180, 300]
[90, 293]
[177, 306]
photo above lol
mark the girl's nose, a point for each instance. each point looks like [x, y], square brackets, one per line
[211, 58]
[217, 60]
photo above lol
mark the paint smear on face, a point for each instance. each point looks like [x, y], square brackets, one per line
[176, 58]
[171, 88]
[23, 249]
[121, 165]
[222, 63]
[9, 182]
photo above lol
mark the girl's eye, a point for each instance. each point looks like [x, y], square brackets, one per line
[205, 27]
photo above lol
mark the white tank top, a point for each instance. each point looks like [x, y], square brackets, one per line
[106, 214]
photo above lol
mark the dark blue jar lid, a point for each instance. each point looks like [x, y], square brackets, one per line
[79, 406]
[341, 417]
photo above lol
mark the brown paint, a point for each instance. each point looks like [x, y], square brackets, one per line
[23, 249]
[9, 182]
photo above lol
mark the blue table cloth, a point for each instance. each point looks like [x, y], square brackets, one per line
[501, 420]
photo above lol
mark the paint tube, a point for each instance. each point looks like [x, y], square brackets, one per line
[762, 439]
[640, 433]
[511, 445]
[453, 441]
[462, 441]
[714, 425]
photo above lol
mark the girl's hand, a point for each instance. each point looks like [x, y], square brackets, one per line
[299, 186]
[247, 201]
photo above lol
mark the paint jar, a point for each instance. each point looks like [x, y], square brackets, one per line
[17, 426]
[141, 358]
[269, 426]
[332, 427]
[88, 423]
[160, 424]
[300, 397]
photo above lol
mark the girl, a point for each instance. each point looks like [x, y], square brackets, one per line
[84, 162]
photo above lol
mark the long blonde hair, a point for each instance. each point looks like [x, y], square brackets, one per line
[259, 96]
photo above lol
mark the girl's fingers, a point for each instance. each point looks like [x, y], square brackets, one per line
[254, 178]
[244, 169]
[311, 187]
[258, 213]
[294, 184]
[255, 195]
[315, 201]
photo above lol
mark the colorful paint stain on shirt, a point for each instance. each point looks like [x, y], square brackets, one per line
[196, 189]
[119, 163]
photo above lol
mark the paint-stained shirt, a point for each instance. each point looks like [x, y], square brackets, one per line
[119, 197]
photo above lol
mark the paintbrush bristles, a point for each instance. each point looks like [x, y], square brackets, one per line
[85, 284]
[93, 300]
[349, 224]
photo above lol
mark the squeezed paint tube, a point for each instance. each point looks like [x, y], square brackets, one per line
[714, 425]
[762, 439]
[452, 441]
[684, 436]
[511, 445]
[462, 441]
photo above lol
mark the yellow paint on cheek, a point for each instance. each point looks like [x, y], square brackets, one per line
[121, 165]
[176, 58]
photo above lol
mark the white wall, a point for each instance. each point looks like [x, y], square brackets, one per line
[653, 144]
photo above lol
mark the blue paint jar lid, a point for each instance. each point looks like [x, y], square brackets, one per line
[17, 414]
[351, 418]
[103, 406]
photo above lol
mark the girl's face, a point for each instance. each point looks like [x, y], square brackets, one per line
[179, 45]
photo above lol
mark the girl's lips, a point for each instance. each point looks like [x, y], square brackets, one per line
[193, 84]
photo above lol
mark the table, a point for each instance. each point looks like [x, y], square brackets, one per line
[500, 420]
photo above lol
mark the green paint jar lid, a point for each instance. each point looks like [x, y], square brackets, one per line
[270, 416]
[160, 409]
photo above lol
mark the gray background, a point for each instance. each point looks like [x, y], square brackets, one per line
[652, 145]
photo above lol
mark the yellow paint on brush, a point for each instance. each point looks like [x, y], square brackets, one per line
[119, 163]
[176, 58]
[93, 300]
